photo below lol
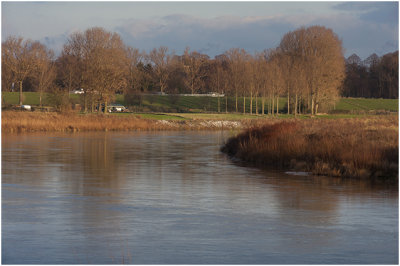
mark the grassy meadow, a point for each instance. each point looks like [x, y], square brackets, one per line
[193, 104]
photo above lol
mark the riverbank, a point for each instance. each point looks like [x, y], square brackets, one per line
[358, 147]
[18, 122]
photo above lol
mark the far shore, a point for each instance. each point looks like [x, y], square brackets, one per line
[23, 122]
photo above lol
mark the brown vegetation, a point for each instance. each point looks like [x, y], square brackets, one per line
[17, 122]
[362, 147]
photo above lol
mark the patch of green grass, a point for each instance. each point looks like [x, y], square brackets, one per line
[160, 116]
[31, 98]
[349, 104]
[153, 116]
[216, 116]
[205, 104]
[337, 116]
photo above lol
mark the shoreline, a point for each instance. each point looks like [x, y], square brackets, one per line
[26, 122]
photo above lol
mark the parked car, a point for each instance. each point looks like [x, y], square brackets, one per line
[78, 91]
[26, 107]
[115, 107]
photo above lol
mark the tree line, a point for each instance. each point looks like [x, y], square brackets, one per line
[374, 77]
[307, 67]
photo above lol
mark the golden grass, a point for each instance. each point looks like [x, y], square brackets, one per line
[16, 122]
[33, 122]
[358, 147]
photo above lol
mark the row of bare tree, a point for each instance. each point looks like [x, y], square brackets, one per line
[307, 67]
[26, 62]
[376, 77]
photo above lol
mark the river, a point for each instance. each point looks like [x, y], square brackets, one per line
[173, 198]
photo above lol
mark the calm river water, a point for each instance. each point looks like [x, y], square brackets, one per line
[173, 198]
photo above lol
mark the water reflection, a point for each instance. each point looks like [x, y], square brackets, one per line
[171, 197]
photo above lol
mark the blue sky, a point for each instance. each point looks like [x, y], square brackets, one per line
[208, 27]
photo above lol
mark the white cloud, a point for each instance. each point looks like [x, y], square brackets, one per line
[254, 33]
[361, 27]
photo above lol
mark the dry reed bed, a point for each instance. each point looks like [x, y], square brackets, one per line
[18, 122]
[358, 147]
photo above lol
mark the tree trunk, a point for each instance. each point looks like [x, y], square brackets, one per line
[93, 106]
[288, 102]
[161, 86]
[299, 105]
[256, 105]
[269, 105]
[263, 105]
[295, 106]
[99, 111]
[236, 99]
[40, 97]
[226, 104]
[272, 104]
[312, 105]
[85, 102]
[218, 105]
[251, 103]
[20, 93]
[244, 104]
[277, 105]
[105, 107]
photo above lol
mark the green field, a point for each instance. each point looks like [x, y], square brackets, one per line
[349, 104]
[153, 116]
[192, 104]
[31, 98]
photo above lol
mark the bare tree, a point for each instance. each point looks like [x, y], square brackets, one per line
[195, 69]
[218, 77]
[44, 71]
[17, 61]
[292, 64]
[264, 77]
[68, 71]
[325, 68]
[318, 52]
[134, 58]
[275, 81]
[389, 73]
[101, 57]
[236, 61]
[251, 79]
[161, 61]
[134, 75]
[259, 73]
[7, 77]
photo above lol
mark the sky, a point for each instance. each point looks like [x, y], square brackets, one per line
[208, 27]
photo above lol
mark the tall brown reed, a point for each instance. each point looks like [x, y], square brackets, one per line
[13, 121]
[32, 122]
[362, 148]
